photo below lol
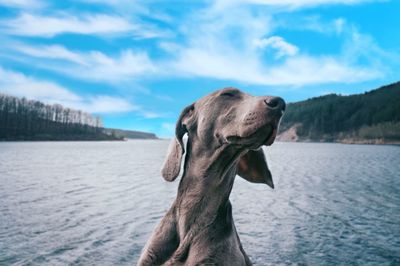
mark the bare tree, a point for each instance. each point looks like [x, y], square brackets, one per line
[22, 118]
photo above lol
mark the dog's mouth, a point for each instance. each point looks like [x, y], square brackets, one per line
[264, 135]
[272, 136]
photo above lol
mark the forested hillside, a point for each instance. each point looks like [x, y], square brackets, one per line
[22, 119]
[130, 134]
[371, 117]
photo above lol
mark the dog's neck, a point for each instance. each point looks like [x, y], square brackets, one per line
[204, 189]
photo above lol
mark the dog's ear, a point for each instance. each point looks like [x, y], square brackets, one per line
[172, 164]
[253, 167]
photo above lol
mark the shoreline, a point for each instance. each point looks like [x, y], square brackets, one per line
[347, 141]
[74, 140]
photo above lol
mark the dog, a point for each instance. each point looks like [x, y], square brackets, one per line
[226, 130]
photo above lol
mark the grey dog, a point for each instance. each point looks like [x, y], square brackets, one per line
[226, 130]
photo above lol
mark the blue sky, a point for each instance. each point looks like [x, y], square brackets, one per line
[138, 63]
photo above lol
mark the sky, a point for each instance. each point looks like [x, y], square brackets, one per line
[139, 63]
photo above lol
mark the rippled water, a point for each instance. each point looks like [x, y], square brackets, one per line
[95, 203]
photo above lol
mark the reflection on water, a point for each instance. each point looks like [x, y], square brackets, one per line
[96, 203]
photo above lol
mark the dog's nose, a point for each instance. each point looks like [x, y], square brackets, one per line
[275, 103]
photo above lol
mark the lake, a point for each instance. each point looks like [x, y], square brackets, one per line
[96, 203]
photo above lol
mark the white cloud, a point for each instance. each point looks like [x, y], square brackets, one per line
[150, 114]
[48, 26]
[219, 65]
[211, 49]
[94, 65]
[304, 70]
[314, 23]
[114, 69]
[339, 25]
[129, 7]
[18, 84]
[34, 25]
[297, 70]
[212, 52]
[359, 45]
[24, 4]
[216, 44]
[220, 4]
[283, 48]
[105, 104]
[52, 52]
[300, 3]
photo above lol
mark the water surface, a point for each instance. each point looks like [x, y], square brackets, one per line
[96, 203]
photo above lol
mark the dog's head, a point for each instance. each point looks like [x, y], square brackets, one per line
[231, 120]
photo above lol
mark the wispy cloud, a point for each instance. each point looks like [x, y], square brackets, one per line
[123, 67]
[208, 51]
[307, 70]
[362, 46]
[278, 43]
[211, 52]
[339, 24]
[23, 4]
[298, 71]
[46, 26]
[52, 52]
[288, 3]
[150, 114]
[104, 104]
[302, 3]
[219, 64]
[98, 24]
[138, 8]
[94, 65]
[18, 84]
[314, 23]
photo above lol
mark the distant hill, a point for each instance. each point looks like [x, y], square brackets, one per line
[129, 134]
[22, 119]
[371, 117]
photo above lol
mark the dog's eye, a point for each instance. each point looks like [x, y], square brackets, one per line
[229, 93]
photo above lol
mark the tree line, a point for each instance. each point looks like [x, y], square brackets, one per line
[23, 119]
[374, 114]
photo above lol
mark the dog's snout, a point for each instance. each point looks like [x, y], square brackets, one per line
[275, 103]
